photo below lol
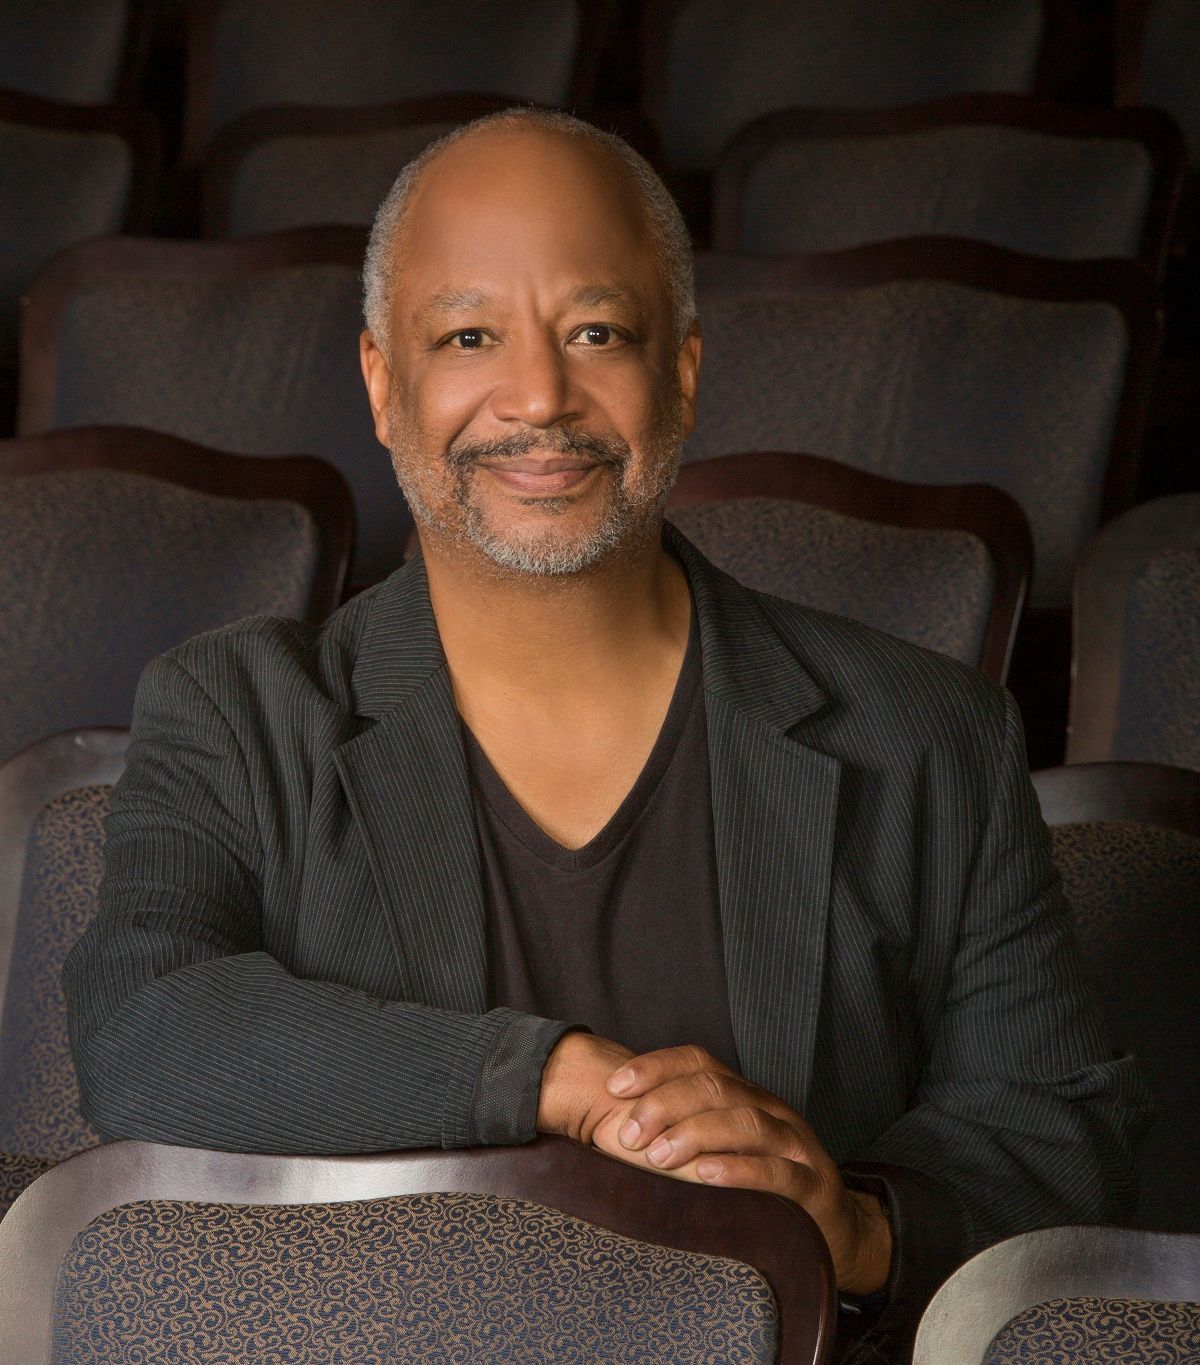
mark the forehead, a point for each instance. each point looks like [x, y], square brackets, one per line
[524, 212]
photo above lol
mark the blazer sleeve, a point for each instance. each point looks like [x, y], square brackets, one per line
[184, 1030]
[1022, 1113]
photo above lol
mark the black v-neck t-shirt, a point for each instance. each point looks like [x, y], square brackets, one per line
[623, 934]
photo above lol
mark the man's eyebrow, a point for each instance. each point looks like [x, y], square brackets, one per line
[451, 301]
[593, 295]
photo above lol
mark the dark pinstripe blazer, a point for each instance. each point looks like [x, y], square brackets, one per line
[289, 955]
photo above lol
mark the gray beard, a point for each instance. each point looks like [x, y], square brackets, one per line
[627, 521]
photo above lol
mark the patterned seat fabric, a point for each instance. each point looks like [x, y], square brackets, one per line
[153, 562]
[280, 347]
[433, 1277]
[305, 179]
[39, 1097]
[1158, 719]
[1092, 1331]
[931, 382]
[726, 64]
[17, 1172]
[1133, 893]
[1024, 190]
[931, 587]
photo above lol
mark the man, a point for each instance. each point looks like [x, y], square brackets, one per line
[368, 884]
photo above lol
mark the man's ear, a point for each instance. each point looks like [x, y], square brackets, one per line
[688, 368]
[377, 376]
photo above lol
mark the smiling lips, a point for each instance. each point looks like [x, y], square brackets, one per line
[529, 475]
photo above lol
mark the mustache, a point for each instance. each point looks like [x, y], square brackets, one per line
[606, 450]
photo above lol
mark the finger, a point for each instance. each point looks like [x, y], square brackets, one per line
[653, 1068]
[744, 1130]
[772, 1174]
[677, 1100]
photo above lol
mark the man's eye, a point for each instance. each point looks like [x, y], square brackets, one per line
[596, 334]
[469, 340]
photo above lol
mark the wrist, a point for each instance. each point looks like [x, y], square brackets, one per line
[872, 1262]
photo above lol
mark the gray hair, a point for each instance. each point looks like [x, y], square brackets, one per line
[670, 235]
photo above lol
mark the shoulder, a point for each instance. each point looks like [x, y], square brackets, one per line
[889, 703]
[267, 665]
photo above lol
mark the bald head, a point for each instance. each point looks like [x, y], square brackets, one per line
[540, 156]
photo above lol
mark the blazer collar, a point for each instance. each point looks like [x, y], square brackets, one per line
[774, 802]
[773, 798]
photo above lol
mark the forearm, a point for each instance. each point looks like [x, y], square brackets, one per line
[235, 1053]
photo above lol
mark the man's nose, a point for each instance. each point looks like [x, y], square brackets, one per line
[537, 386]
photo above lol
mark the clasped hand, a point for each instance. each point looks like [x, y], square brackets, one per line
[683, 1113]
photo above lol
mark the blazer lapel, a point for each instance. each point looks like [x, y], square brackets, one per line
[405, 781]
[774, 810]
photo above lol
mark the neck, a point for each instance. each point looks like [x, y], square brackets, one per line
[557, 638]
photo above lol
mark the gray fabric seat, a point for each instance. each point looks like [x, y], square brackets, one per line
[1133, 891]
[931, 587]
[69, 50]
[928, 381]
[304, 179]
[40, 1122]
[726, 64]
[1170, 55]
[1069, 1295]
[328, 52]
[1137, 639]
[469, 1277]
[1050, 195]
[258, 360]
[103, 570]
[548, 1251]
[59, 186]
[1086, 1328]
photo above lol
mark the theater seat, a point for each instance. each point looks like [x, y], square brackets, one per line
[1077, 1294]
[542, 1253]
[53, 799]
[942, 567]
[1137, 638]
[116, 545]
[1126, 840]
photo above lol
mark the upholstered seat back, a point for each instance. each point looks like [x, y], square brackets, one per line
[1134, 891]
[1075, 1331]
[1171, 52]
[932, 587]
[263, 363]
[103, 570]
[39, 1097]
[1158, 716]
[1051, 195]
[305, 179]
[59, 186]
[70, 50]
[726, 64]
[328, 52]
[431, 1277]
[927, 381]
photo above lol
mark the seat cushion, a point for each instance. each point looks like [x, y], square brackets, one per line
[432, 1277]
[1093, 1331]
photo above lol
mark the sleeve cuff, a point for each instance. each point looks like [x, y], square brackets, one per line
[508, 1085]
[928, 1243]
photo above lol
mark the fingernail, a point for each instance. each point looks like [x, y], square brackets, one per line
[709, 1169]
[659, 1151]
[622, 1081]
[629, 1132]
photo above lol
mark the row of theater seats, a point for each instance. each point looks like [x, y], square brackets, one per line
[119, 543]
[129, 1224]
